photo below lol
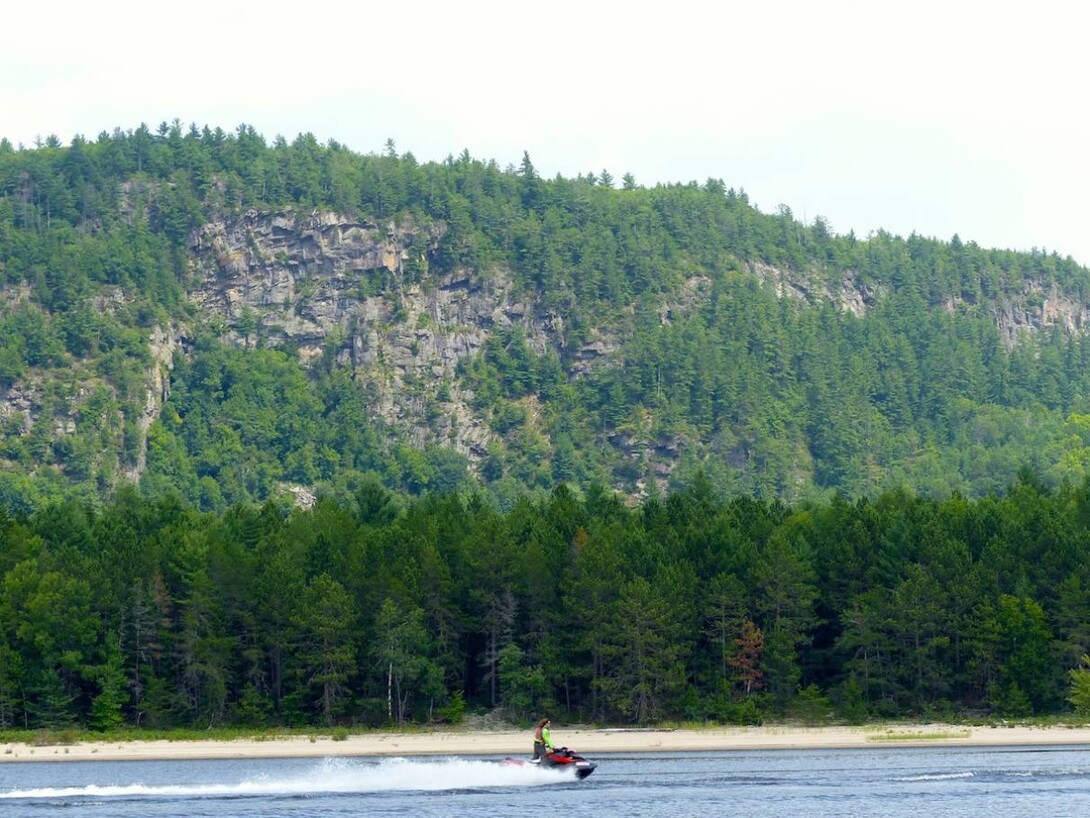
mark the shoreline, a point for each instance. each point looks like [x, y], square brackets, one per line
[587, 741]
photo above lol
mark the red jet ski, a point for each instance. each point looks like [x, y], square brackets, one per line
[560, 758]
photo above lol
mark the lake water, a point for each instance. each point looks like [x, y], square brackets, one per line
[878, 782]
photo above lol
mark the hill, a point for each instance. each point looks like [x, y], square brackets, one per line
[207, 313]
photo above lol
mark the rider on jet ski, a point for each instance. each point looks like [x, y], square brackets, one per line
[547, 755]
[543, 742]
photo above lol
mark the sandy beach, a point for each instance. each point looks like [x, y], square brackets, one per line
[588, 741]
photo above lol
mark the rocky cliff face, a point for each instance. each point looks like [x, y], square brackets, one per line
[1037, 308]
[359, 291]
[164, 344]
[849, 294]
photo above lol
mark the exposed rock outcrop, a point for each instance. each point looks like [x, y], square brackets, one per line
[360, 291]
[164, 344]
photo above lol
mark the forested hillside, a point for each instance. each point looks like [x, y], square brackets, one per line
[229, 319]
[369, 613]
[290, 434]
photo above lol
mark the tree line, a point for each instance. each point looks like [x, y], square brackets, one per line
[391, 609]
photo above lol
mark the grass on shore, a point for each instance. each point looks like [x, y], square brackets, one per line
[919, 735]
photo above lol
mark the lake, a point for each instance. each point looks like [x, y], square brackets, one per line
[883, 781]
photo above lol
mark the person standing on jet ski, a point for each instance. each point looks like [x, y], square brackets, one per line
[543, 742]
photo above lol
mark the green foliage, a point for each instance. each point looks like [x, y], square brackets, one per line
[668, 343]
[1079, 687]
[811, 706]
[106, 707]
[454, 712]
[326, 651]
[404, 650]
[152, 613]
[643, 658]
[523, 689]
[883, 507]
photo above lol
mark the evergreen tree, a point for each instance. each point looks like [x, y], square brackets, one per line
[325, 647]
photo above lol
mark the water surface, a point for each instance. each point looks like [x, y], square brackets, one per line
[883, 781]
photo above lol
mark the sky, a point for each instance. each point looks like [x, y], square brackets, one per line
[935, 117]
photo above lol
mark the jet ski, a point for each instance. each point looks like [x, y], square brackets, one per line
[559, 758]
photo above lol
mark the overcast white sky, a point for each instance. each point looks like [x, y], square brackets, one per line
[933, 116]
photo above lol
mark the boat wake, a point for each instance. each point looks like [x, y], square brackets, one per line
[334, 775]
[935, 777]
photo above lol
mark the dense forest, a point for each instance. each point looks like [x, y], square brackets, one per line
[749, 468]
[377, 612]
[779, 359]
